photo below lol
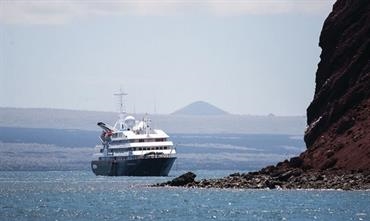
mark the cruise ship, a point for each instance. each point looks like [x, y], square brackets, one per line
[132, 148]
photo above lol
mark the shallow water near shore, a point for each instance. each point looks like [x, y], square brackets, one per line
[80, 195]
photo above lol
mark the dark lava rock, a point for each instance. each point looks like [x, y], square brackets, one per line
[288, 174]
[295, 162]
[182, 180]
[268, 170]
[234, 175]
[270, 184]
[329, 163]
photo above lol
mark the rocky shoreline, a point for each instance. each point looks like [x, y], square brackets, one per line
[270, 179]
[292, 174]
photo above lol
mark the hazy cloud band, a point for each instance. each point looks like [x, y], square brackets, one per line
[64, 11]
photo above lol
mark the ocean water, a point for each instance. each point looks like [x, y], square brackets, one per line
[80, 195]
[44, 194]
[57, 149]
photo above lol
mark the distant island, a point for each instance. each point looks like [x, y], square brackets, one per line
[173, 123]
[200, 108]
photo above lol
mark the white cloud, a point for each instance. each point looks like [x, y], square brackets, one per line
[224, 7]
[63, 11]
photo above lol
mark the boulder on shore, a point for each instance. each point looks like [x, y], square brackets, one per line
[183, 180]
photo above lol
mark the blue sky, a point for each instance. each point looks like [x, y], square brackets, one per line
[246, 57]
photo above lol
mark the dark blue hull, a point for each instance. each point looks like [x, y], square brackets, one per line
[159, 166]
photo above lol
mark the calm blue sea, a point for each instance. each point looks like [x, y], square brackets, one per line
[80, 195]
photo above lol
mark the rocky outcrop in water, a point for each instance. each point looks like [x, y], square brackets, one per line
[183, 180]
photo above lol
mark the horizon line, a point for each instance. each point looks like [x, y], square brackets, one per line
[158, 114]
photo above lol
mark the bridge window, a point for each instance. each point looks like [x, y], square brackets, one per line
[160, 139]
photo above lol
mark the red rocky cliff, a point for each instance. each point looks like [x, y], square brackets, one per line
[338, 132]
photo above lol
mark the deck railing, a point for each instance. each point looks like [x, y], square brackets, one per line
[137, 157]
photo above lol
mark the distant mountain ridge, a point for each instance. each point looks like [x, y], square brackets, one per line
[172, 123]
[200, 108]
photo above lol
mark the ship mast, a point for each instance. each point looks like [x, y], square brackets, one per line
[120, 95]
[120, 124]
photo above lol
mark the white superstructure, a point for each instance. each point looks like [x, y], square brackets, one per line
[133, 139]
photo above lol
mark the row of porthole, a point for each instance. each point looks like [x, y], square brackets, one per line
[151, 148]
[140, 149]
[137, 141]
